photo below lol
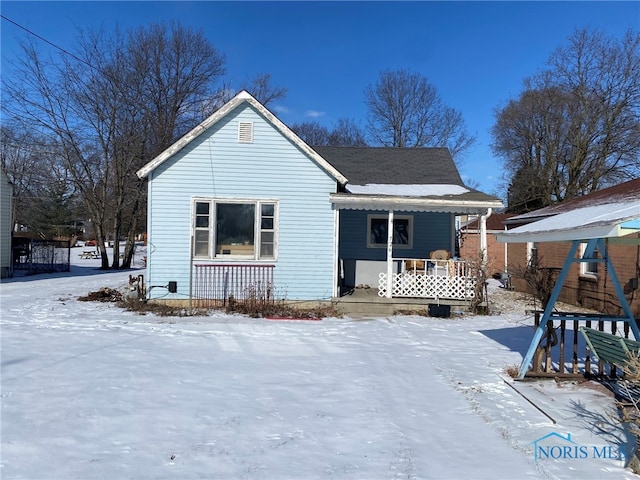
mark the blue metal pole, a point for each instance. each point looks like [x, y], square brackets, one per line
[618, 288]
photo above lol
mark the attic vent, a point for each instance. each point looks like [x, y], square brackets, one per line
[245, 132]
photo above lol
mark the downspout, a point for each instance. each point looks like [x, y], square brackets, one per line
[506, 256]
[390, 254]
[483, 238]
[191, 251]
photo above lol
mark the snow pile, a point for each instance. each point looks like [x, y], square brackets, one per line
[93, 392]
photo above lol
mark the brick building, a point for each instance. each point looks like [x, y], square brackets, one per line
[469, 238]
[588, 284]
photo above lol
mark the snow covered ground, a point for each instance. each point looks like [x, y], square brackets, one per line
[93, 392]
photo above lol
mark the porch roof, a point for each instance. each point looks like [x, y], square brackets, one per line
[612, 213]
[469, 202]
[606, 220]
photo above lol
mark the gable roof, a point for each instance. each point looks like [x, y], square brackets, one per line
[417, 179]
[241, 98]
[396, 166]
[608, 213]
[408, 179]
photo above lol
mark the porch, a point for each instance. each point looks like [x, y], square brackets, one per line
[383, 241]
[367, 302]
[431, 278]
[414, 284]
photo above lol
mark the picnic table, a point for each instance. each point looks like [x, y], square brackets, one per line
[90, 254]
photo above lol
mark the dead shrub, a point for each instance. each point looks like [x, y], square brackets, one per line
[512, 370]
[161, 309]
[105, 294]
[256, 306]
[540, 279]
[259, 308]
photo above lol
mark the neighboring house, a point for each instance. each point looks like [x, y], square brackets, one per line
[242, 203]
[6, 213]
[469, 237]
[588, 284]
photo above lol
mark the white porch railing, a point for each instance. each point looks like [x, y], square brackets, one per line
[425, 278]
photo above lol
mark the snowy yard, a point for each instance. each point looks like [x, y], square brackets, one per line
[92, 392]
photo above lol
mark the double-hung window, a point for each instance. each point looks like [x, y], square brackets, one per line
[588, 269]
[377, 227]
[242, 229]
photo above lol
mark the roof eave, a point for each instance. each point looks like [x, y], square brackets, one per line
[190, 136]
[586, 233]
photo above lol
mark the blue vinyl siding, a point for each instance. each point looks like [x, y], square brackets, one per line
[431, 231]
[216, 165]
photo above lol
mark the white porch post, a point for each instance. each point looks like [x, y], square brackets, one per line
[337, 267]
[390, 254]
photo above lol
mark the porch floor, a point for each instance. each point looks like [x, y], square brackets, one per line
[365, 302]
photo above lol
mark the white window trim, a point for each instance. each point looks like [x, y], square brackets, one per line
[257, 230]
[584, 272]
[385, 218]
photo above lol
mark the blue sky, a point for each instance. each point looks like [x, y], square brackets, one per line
[325, 53]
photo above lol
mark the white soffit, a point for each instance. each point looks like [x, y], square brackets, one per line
[610, 220]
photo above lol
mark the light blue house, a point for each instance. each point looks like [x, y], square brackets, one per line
[241, 206]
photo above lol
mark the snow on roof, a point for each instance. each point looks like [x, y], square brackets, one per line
[627, 191]
[406, 190]
[604, 220]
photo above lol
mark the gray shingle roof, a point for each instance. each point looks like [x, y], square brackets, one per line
[395, 166]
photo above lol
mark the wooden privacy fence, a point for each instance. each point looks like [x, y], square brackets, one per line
[218, 284]
[563, 350]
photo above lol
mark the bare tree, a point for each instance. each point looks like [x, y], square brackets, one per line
[575, 128]
[348, 133]
[111, 107]
[43, 197]
[345, 133]
[405, 110]
[259, 87]
[262, 90]
[312, 133]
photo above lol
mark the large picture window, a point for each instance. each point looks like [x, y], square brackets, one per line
[377, 231]
[234, 228]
